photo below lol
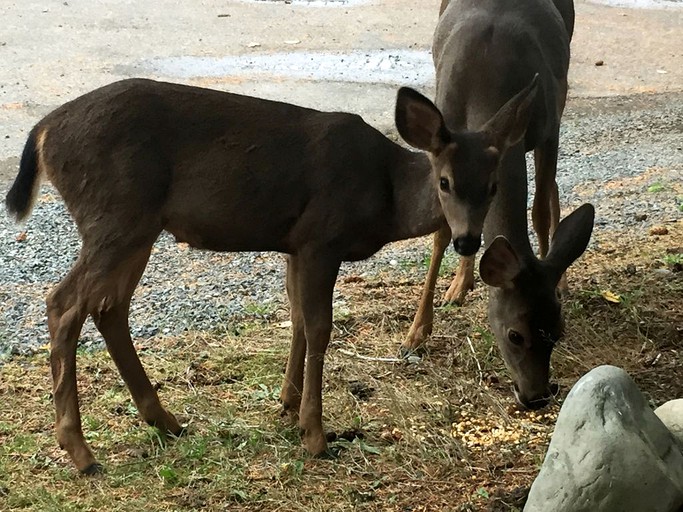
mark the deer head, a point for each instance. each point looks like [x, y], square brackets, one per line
[524, 310]
[465, 165]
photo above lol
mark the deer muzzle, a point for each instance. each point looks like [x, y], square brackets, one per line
[536, 401]
[467, 245]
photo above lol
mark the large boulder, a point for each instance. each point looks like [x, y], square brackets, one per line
[671, 414]
[609, 452]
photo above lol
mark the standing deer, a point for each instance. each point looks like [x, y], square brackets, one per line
[226, 172]
[485, 51]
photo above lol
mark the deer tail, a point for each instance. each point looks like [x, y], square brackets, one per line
[22, 195]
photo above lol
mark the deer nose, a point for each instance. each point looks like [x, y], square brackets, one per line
[467, 245]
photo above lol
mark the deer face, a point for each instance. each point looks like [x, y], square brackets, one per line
[526, 319]
[465, 164]
[524, 311]
[466, 176]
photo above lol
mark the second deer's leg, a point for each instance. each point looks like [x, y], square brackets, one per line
[424, 318]
[111, 319]
[544, 216]
[316, 276]
[66, 314]
[463, 281]
[292, 386]
[546, 209]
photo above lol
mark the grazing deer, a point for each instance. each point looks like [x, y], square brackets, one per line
[484, 52]
[222, 172]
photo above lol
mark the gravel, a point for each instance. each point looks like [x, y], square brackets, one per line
[603, 140]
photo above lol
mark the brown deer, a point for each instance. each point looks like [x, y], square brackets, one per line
[226, 172]
[484, 51]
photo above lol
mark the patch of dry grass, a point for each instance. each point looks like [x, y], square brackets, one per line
[443, 434]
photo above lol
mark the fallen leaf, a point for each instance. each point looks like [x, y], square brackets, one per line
[611, 297]
[659, 230]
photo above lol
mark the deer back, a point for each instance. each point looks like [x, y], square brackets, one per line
[223, 171]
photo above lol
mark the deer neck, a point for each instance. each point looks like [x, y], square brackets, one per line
[417, 210]
[508, 213]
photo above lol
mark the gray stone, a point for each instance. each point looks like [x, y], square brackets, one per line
[671, 414]
[609, 452]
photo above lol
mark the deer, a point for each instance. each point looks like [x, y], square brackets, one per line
[484, 51]
[225, 172]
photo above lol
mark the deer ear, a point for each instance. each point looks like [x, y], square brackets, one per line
[571, 238]
[419, 121]
[499, 265]
[509, 124]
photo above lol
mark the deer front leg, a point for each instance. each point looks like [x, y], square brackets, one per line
[462, 283]
[315, 281]
[424, 318]
[292, 386]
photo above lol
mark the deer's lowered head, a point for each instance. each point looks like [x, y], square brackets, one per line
[465, 164]
[524, 310]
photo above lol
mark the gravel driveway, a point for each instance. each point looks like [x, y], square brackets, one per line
[622, 140]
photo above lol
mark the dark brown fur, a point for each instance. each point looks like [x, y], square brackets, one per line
[222, 172]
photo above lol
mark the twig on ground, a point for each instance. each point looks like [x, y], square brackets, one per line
[474, 354]
[368, 358]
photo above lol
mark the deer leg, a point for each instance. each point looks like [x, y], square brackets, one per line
[316, 276]
[562, 286]
[294, 375]
[545, 160]
[463, 281]
[65, 319]
[111, 320]
[424, 318]
[546, 209]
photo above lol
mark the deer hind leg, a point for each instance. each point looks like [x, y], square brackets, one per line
[66, 315]
[294, 375]
[545, 219]
[315, 277]
[546, 209]
[111, 319]
[424, 318]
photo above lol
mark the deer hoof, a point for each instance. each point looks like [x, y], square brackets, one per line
[456, 295]
[290, 415]
[409, 353]
[93, 469]
[415, 341]
[315, 444]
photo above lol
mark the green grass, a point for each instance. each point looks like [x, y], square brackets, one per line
[239, 454]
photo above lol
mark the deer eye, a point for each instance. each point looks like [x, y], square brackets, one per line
[494, 189]
[515, 337]
[444, 185]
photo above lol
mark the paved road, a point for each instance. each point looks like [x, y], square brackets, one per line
[53, 51]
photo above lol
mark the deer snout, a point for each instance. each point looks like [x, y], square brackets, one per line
[467, 245]
[534, 401]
